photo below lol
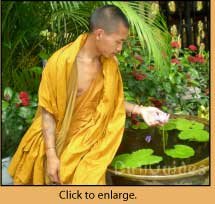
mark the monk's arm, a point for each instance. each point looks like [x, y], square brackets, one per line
[132, 108]
[48, 128]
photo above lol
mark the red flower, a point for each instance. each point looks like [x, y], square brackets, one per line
[139, 58]
[133, 116]
[25, 102]
[135, 122]
[175, 44]
[134, 119]
[191, 59]
[23, 94]
[138, 76]
[157, 103]
[24, 98]
[200, 59]
[174, 60]
[192, 47]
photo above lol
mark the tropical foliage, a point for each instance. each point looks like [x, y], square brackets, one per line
[173, 79]
[18, 110]
[30, 36]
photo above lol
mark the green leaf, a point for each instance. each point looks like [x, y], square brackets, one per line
[25, 112]
[43, 55]
[143, 126]
[16, 99]
[151, 159]
[184, 124]
[37, 70]
[135, 127]
[142, 153]
[180, 151]
[136, 159]
[169, 126]
[194, 135]
[119, 161]
[4, 105]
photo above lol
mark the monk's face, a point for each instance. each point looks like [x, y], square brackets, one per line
[109, 44]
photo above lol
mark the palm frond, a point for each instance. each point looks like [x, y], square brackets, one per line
[152, 32]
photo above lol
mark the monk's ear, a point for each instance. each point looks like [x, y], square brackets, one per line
[99, 33]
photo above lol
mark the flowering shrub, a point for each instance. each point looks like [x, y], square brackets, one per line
[183, 90]
[18, 110]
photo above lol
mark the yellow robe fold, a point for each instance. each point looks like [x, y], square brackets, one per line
[89, 127]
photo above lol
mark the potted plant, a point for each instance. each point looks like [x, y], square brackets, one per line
[174, 154]
[182, 91]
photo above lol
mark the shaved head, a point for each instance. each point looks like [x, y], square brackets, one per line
[108, 18]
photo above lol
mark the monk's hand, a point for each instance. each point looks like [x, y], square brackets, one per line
[53, 166]
[153, 116]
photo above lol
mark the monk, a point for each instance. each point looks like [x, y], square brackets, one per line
[80, 119]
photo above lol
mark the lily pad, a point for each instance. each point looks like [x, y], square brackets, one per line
[120, 160]
[169, 126]
[194, 135]
[180, 151]
[142, 153]
[135, 159]
[151, 159]
[184, 124]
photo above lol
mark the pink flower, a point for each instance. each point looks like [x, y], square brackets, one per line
[192, 47]
[175, 60]
[175, 44]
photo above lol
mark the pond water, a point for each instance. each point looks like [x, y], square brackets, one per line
[134, 140]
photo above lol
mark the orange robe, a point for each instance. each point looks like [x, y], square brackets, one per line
[89, 127]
